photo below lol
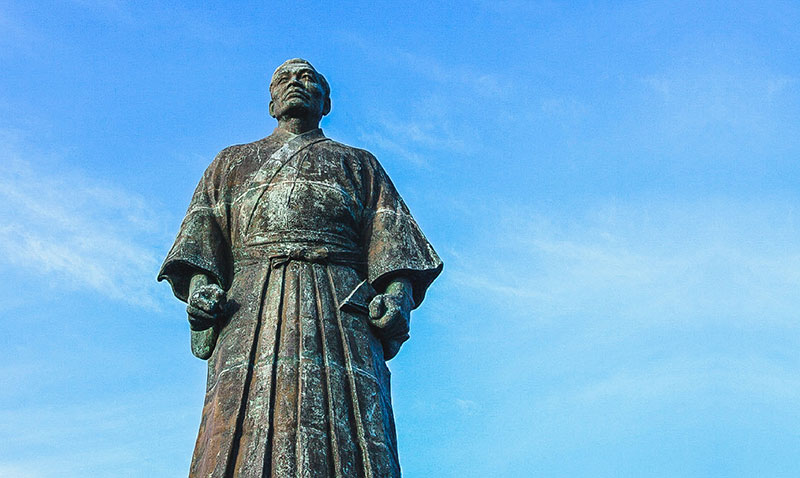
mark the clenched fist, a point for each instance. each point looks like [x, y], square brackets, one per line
[205, 306]
[390, 314]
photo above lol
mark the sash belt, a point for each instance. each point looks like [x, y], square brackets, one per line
[281, 256]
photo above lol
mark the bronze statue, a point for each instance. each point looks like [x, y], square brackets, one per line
[300, 264]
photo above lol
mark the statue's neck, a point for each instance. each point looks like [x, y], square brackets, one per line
[297, 125]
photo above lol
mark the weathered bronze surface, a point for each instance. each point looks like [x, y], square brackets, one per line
[300, 264]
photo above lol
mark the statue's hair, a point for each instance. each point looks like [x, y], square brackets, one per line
[325, 87]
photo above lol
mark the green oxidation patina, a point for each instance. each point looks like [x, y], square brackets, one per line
[300, 265]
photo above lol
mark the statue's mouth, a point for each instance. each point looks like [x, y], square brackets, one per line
[296, 94]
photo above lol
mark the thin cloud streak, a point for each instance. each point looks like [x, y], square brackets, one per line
[93, 438]
[659, 262]
[409, 140]
[636, 318]
[691, 100]
[631, 310]
[716, 378]
[67, 227]
[427, 127]
[451, 75]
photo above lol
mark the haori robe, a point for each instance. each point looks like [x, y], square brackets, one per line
[301, 231]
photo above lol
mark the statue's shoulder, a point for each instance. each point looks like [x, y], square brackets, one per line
[239, 151]
[355, 154]
[236, 155]
[358, 160]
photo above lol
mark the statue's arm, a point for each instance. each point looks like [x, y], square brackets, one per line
[202, 341]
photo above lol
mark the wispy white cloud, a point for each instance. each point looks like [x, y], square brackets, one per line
[457, 77]
[409, 140]
[705, 382]
[22, 470]
[680, 377]
[474, 82]
[716, 259]
[434, 119]
[686, 377]
[566, 110]
[625, 318]
[467, 407]
[75, 230]
[98, 436]
[696, 98]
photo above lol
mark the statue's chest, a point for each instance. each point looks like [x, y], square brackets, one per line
[308, 194]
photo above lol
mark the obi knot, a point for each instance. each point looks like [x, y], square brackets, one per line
[277, 255]
[319, 255]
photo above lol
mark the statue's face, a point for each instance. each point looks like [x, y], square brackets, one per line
[297, 92]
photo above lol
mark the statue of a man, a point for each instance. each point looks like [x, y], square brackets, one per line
[300, 265]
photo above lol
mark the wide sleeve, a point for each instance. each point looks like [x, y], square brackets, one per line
[394, 244]
[203, 243]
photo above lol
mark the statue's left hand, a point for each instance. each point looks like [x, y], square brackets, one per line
[205, 306]
[390, 312]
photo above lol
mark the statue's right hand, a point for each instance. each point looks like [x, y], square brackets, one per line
[205, 306]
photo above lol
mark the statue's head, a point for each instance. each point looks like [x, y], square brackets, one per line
[298, 90]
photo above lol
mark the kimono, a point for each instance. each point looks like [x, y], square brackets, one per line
[301, 231]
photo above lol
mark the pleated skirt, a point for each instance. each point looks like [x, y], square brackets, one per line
[296, 387]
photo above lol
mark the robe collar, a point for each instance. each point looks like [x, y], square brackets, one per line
[281, 136]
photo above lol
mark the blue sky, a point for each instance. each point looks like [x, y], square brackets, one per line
[612, 187]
